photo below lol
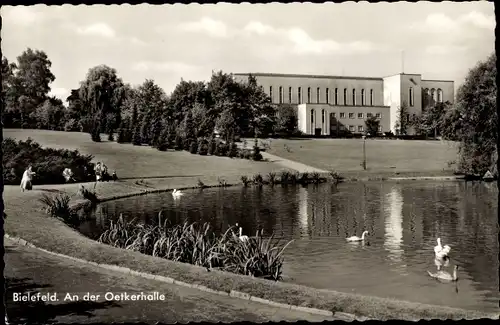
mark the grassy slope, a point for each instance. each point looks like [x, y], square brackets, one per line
[27, 220]
[384, 157]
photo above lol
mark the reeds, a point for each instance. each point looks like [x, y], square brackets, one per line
[58, 207]
[197, 244]
[89, 195]
[286, 178]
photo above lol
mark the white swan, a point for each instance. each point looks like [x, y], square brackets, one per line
[440, 251]
[176, 193]
[356, 238]
[442, 275]
[241, 236]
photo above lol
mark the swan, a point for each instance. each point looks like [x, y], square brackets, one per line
[442, 275]
[441, 251]
[356, 238]
[176, 193]
[241, 236]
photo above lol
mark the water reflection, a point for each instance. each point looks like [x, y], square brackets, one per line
[393, 209]
[403, 220]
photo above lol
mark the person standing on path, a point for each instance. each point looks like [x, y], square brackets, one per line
[26, 181]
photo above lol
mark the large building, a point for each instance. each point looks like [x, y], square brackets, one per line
[331, 105]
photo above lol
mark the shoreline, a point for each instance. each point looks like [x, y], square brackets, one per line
[75, 245]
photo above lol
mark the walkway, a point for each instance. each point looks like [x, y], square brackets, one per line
[301, 168]
[30, 270]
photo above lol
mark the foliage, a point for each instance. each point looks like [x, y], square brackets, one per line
[136, 137]
[178, 145]
[402, 122]
[257, 156]
[121, 137]
[372, 123]
[193, 146]
[233, 150]
[286, 121]
[48, 163]
[474, 121]
[212, 145]
[431, 121]
[163, 143]
[198, 245]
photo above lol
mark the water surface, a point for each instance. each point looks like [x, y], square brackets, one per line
[404, 219]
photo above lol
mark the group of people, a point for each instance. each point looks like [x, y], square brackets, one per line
[100, 169]
[101, 173]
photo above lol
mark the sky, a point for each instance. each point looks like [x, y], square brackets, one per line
[165, 43]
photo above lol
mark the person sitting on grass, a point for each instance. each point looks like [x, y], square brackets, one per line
[68, 174]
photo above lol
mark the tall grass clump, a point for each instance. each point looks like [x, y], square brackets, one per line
[258, 180]
[285, 177]
[271, 178]
[58, 207]
[89, 195]
[197, 244]
[335, 176]
[316, 178]
[245, 181]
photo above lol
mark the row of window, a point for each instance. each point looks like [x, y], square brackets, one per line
[352, 128]
[342, 115]
[436, 95]
[318, 96]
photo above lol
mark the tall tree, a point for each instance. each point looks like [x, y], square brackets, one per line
[8, 115]
[474, 121]
[286, 119]
[372, 123]
[403, 121]
[30, 84]
[103, 92]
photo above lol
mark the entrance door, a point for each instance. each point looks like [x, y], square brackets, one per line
[317, 131]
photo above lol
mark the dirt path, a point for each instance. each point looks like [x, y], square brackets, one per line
[301, 168]
[31, 270]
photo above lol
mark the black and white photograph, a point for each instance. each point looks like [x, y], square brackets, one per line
[233, 162]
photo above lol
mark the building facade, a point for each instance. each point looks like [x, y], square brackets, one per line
[331, 105]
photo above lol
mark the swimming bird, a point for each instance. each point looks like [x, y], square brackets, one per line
[442, 275]
[176, 193]
[241, 236]
[356, 238]
[441, 251]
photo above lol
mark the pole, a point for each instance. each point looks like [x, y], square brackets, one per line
[403, 61]
[364, 152]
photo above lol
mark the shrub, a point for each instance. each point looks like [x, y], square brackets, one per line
[271, 177]
[121, 138]
[221, 149]
[58, 207]
[48, 163]
[71, 125]
[178, 143]
[335, 176]
[110, 136]
[89, 195]
[162, 141]
[285, 177]
[245, 180]
[186, 144]
[257, 156]
[136, 136]
[212, 146]
[193, 147]
[202, 147]
[258, 179]
[233, 150]
[245, 154]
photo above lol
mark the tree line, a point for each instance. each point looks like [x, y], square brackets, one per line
[195, 110]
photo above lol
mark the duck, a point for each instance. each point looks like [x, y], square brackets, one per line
[442, 275]
[441, 251]
[176, 193]
[356, 238]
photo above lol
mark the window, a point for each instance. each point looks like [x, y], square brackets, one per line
[410, 97]
[327, 93]
[290, 95]
[323, 116]
[351, 115]
[360, 115]
[342, 115]
[336, 96]
[308, 94]
[371, 97]
[281, 95]
[271, 93]
[362, 97]
[379, 128]
[354, 97]
[317, 95]
[333, 115]
[300, 95]
[433, 95]
[345, 96]
[351, 128]
[368, 115]
[439, 96]
[378, 115]
[407, 117]
[312, 116]
[360, 128]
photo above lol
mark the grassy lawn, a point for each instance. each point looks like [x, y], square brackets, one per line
[153, 167]
[384, 157]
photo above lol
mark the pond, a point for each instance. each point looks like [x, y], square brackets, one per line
[403, 219]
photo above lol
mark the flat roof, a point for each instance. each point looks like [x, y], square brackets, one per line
[437, 80]
[285, 75]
